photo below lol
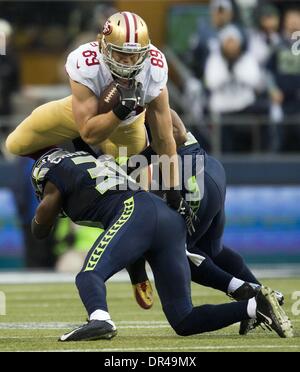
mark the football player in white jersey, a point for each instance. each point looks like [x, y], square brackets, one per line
[124, 53]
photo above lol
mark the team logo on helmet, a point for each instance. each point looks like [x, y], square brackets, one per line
[107, 28]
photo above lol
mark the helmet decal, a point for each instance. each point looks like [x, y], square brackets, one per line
[107, 28]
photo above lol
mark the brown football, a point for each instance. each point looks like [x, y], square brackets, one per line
[108, 98]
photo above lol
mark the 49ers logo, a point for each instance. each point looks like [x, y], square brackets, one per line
[107, 28]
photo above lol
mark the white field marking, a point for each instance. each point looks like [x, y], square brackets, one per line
[39, 326]
[205, 347]
[142, 322]
[123, 324]
[124, 327]
[162, 348]
[20, 306]
[139, 335]
[274, 272]
[25, 337]
[172, 335]
[41, 297]
[36, 326]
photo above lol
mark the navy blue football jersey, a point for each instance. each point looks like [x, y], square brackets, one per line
[193, 159]
[92, 189]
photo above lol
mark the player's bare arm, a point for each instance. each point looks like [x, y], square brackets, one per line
[93, 127]
[47, 212]
[160, 122]
[179, 134]
[179, 130]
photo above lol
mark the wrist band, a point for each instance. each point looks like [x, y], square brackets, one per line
[121, 111]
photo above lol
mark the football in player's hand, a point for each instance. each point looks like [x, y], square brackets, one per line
[108, 98]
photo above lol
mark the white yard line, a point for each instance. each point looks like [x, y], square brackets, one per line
[228, 347]
[183, 348]
[27, 277]
[61, 325]
[123, 324]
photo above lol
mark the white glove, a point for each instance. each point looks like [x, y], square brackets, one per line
[195, 258]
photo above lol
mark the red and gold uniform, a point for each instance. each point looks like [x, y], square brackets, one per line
[91, 66]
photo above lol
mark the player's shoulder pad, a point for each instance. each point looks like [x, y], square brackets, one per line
[79, 61]
[158, 64]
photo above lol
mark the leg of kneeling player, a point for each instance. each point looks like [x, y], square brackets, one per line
[123, 242]
[206, 273]
[226, 259]
[232, 262]
[170, 267]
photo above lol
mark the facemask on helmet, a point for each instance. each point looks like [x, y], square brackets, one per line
[125, 33]
[41, 167]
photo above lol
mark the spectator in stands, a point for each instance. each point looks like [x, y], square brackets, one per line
[9, 75]
[284, 66]
[9, 69]
[265, 37]
[263, 40]
[234, 79]
[206, 40]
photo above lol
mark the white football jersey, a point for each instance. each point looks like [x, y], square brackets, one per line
[85, 65]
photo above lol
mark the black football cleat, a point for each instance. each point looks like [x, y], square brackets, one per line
[93, 330]
[245, 292]
[271, 314]
[248, 325]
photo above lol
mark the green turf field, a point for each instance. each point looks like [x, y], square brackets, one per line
[38, 314]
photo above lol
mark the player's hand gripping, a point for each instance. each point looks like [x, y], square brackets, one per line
[130, 98]
[177, 202]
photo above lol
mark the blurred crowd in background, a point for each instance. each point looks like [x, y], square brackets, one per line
[234, 78]
[250, 70]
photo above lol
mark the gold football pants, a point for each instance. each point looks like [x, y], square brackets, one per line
[53, 123]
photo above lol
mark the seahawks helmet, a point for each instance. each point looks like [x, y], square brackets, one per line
[41, 167]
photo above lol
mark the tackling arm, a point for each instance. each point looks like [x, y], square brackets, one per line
[180, 136]
[47, 212]
[160, 122]
[93, 127]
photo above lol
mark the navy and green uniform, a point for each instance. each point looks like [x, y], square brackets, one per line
[136, 223]
[220, 264]
[208, 198]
